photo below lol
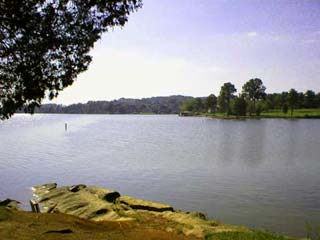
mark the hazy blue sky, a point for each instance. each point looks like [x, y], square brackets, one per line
[191, 47]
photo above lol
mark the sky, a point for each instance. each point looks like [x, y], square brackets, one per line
[192, 47]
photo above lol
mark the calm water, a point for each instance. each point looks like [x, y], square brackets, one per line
[261, 173]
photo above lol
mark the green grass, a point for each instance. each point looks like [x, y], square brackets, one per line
[298, 113]
[252, 235]
[221, 116]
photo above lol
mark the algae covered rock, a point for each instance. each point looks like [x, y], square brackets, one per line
[77, 188]
[104, 194]
[101, 204]
[140, 204]
[45, 188]
[92, 203]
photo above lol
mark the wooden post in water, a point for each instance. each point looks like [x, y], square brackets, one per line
[34, 206]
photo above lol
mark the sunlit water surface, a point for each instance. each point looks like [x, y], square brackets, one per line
[261, 173]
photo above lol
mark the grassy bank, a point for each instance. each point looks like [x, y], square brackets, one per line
[299, 113]
[253, 235]
[45, 226]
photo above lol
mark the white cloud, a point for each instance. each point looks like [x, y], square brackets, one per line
[252, 34]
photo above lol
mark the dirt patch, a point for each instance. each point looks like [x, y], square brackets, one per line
[29, 226]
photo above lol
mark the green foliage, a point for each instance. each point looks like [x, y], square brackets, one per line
[193, 105]
[298, 113]
[154, 105]
[318, 100]
[253, 91]
[226, 94]
[211, 103]
[285, 108]
[239, 106]
[189, 105]
[45, 45]
[292, 99]
[199, 105]
[310, 99]
[259, 108]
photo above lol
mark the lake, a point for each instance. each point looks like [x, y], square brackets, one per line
[264, 174]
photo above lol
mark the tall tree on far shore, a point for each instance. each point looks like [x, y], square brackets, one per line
[211, 103]
[198, 104]
[226, 94]
[310, 99]
[254, 90]
[293, 99]
[239, 106]
[194, 105]
[318, 100]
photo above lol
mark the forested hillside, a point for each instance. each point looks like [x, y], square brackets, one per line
[156, 105]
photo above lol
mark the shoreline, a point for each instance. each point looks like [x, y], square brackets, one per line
[262, 116]
[103, 206]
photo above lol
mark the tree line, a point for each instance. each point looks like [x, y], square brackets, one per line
[252, 100]
[153, 105]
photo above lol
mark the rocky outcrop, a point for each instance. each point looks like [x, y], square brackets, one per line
[100, 204]
[94, 203]
[140, 204]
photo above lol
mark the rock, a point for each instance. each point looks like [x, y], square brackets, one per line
[46, 187]
[38, 190]
[92, 203]
[10, 204]
[63, 231]
[50, 186]
[77, 188]
[199, 215]
[104, 194]
[145, 205]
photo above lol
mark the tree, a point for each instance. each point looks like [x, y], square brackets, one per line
[285, 108]
[45, 45]
[270, 101]
[211, 103]
[318, 100]
[300, 100]
[284, 98]
[226, 94]
[198, 104]
[239, 106]
[293, 99]
[189, 105]
[254, 90]
[310, 99]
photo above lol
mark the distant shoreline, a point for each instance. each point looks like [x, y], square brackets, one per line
[207, 115]
[275, 114]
